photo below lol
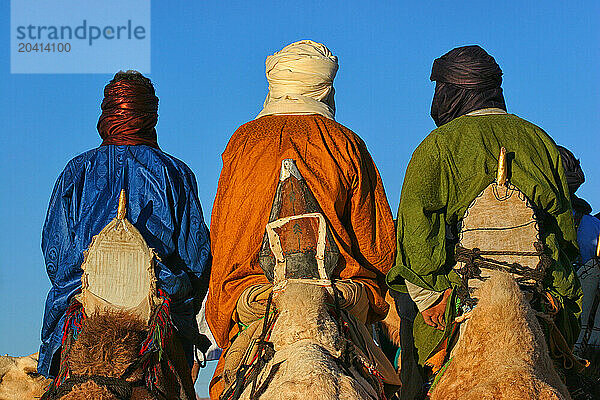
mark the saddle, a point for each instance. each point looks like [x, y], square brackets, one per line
[118, 270]
[289, 249]
[500, 230]
[119, 279]
[298, 248]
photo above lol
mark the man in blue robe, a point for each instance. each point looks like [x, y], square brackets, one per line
[588, 264]
[588, 227]
[162, 203]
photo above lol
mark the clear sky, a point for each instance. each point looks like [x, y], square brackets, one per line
[207, 61]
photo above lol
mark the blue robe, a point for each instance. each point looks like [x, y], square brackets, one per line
[162, 204]
[587, 237]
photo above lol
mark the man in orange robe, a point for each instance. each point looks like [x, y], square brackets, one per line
[297, 122]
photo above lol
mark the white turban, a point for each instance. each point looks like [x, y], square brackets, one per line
[300, 80]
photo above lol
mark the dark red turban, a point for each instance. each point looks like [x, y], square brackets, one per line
[467, 79]
[129, 113]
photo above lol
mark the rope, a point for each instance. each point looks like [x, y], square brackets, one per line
[247, 373]
[159, 334]
[377, 377]
[474, 262]
[438, 376]
[160, 327]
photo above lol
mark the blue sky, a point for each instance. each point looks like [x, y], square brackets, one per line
[207, 61]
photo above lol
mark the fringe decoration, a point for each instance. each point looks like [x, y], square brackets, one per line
[151, 352]
[159, 335]
[74, 317]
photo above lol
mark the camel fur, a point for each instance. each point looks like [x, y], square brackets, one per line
[19, 379]
[109, 342]
[391, 322]
[502, 353]
[307, 346]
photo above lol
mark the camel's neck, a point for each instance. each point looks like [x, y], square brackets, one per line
[304, 316]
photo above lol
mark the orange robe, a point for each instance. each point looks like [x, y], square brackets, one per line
[338, 169]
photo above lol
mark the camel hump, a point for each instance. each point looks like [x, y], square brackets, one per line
[118, 269]
[297, 243]
[501, 289]
[502, 352]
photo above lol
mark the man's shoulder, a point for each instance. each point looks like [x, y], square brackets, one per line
[467, 122]
[476, 131]
[83, 157]
[264, 127]
[79, 163]
[149, 156]
[171, 160]
[277, 121]
[468, 128]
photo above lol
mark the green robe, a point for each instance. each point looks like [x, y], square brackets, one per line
[447, 171]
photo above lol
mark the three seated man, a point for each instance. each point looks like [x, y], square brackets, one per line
[448, 171]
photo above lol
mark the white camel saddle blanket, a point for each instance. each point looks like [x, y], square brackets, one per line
[118, 270]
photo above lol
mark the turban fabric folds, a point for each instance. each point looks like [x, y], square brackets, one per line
[129, 113]
[573, 171]
[467, 79]
[575, 178]
[300, 80]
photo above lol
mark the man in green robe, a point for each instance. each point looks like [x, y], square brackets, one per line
[447, 172]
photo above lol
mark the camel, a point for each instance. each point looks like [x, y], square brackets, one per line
[502, 353]
[118, 341]
[19, 379]
[391, 322]
[308, 349]
[311, 348]
[108, 344]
